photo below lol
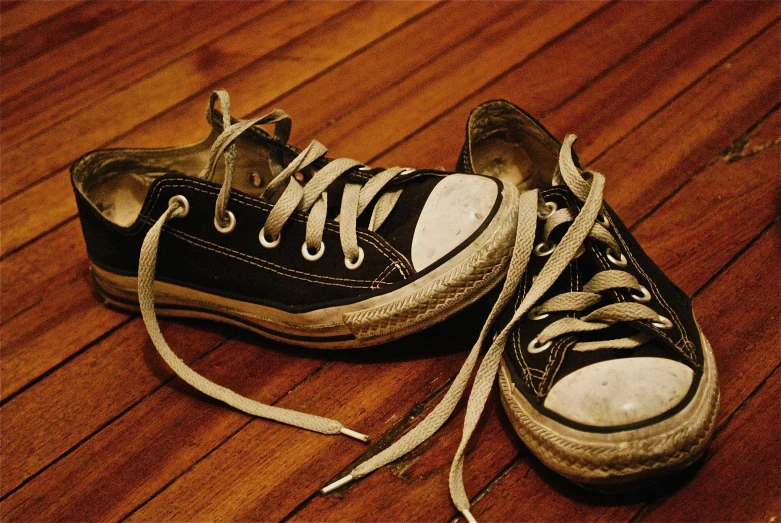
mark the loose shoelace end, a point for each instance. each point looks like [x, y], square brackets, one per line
[353, 434]
[468, 516]
[336, 484]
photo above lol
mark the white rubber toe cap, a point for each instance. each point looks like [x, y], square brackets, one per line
[619, 392]
[455, 209]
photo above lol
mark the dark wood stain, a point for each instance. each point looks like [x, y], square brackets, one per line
[683, 120]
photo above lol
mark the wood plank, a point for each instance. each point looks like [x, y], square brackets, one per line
[30, 442]
[110, 492]
[751, 186]
[58, 84]
[28, 43]
[62, 58]
[454, 361]
[312, 104]
[745, 343]
[764, 135]
[48, 264]
[725, 311]
[40, 338]
[713, 112]
[307, 57]
[726, 194]
[201, 419]
[123, 110]
[19, 16]
[740, 481]
[395, 113]
[540, 86]
[361, 498]
[633, 90]
[26, 326]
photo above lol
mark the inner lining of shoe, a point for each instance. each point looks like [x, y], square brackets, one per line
[116, 181]
[508, 144]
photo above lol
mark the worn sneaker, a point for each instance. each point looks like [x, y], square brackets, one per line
[603, 370]
[245, 229]
[604, 373]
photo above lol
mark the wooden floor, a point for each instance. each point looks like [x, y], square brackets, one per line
[676, 102]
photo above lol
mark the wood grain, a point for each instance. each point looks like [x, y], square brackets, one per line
[740, 481]
[684, 121]
[15, 16]
[119, 112]
[296, 62]
[78, 334]
[61, 82]
[26, 43]
[493, 451]
[725, 312]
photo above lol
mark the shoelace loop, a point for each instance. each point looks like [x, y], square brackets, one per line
[310, 198]
[589, 222]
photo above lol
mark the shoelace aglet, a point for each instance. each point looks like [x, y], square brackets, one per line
[353, 434]
[336, 484]
[468, 516]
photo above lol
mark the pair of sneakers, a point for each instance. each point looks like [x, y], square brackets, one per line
[603, 370]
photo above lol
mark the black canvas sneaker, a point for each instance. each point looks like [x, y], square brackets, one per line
[245, 229]
[603, 370]
[604, 373]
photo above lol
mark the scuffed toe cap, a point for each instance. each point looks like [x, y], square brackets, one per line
[620, 392]
[454, 210]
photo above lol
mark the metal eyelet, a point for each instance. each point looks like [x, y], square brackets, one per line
[602, 220]
[268, 244]
[620, 261]
[352, 265]
[364, 168]
[183, 206]
[552, 207]
[644, 296]
[312, 257]
[408, 170]
[544, 248]
[225, 229]
[534, 348]
[255, 179]
[534, 314]
[662, 323]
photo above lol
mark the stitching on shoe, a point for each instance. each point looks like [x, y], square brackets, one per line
[574, 280]
[380, 279]
[661, 300]
[199, 242]
[385, 249]
[381, 247]
[516, 341]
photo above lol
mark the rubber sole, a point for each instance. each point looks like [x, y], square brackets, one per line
[618, 461]
[455, 284]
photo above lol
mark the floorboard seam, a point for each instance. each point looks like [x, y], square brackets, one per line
[107, 423]
[223, 442]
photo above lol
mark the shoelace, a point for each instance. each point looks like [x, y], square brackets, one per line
[584, 224]
[310, 198]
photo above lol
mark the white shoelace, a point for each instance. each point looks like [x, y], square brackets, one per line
[583, 224]
[310, 198]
